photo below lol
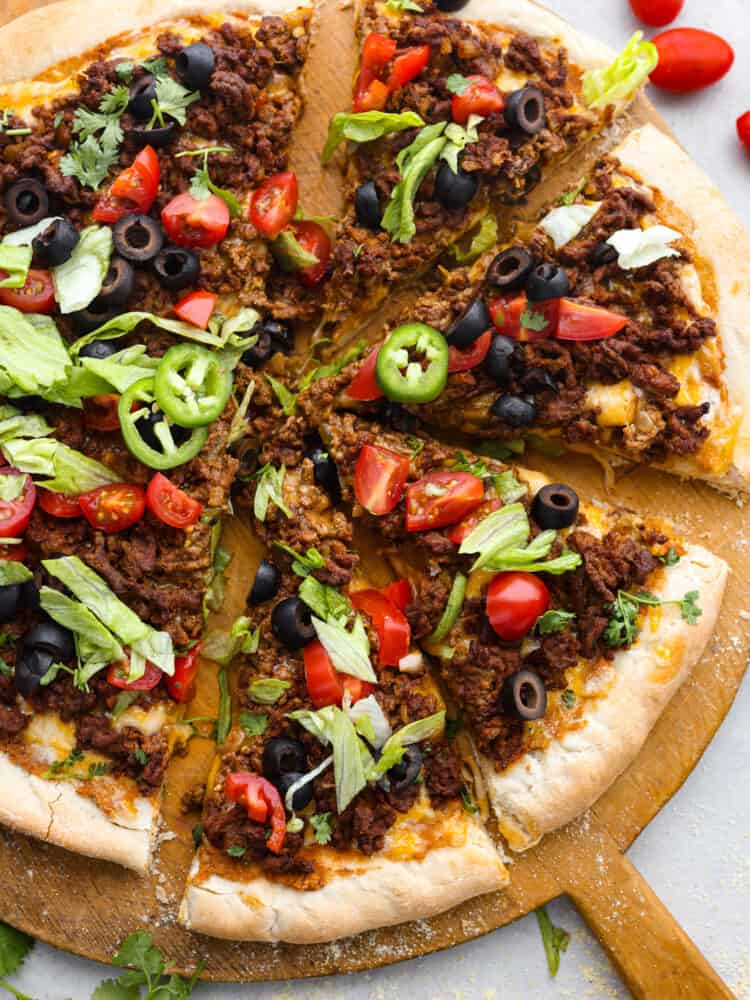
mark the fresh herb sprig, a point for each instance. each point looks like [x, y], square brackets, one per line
[201, 186]
[622, 628]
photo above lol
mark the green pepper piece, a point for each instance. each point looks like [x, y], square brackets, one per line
[399, 370]
[192, 385]
[172, 454]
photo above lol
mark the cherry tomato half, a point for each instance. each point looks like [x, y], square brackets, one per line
[394, 634]
[379, 478]
[193, 223]
[312, 237]
[690, 59]
[15, 514]
[514, 602]
[36, 296]
[743, 130]
[100, 412]
[459, 531]
[262, 801]
[399, 593]
[171, 504]
[196, 308]
[462, 359]
[273, 204]
[325, 684]
[364, 386]
[479, 97]
[114, 507]
[442, 498]
[181, 685]
[133, 190]
[117, 676]
[657, 13]
[407, 65]
[576, 321]
[514, 317]
[59, 505]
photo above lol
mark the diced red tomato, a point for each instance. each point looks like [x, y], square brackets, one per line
[370, 93]
[59, 505]
[114, 507]
[690, 59]
[462, 359]
[312, 237]
[196, 308]
[399, 593]
[442, 498]
[379, 478]
[117, 676]
[133, 190]
[273, 203]
[407, 65]
[364, 385]
[459, 531]
[743, 130]
[394, 634]
[15, 514]
[36, 296]
[372, 96]
[479, 97]
[325, 684]
[514, 602]
[515, 317]
[181, 685]
[377, 51]
[193, 223]
[657, 13]
[100, 412]
[171, 504]
[14, 553]
[262, 801]
[576, 321]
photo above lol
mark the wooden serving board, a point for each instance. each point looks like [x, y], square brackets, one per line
[88, 907]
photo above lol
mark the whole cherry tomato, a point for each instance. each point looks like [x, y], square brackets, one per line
[514, 602]
[743, 131]
[657, 13]
[690, 59]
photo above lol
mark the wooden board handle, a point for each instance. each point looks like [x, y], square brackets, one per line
[652, 952]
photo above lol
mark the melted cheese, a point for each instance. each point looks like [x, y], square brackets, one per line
[616, 403]
[50, 737]
[148, 721]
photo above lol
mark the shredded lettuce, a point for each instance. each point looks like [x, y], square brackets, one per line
[123, 368]
[15, 262]
[97, 647]
[508, 488]
[414, 162]
[351, 758]
[452, 608]
[458, 139]
[395, 747]
[267, 690]
[365, 126]
[641, 247]
[325, 601]
[270, 488]
[349, 651]
[482, 241]
[79, 280]
[369, 719]
[620, 80]
[305, 780]
[564, 223]
[502, 529]
[25, 237]
[11, 571]
[32, 354]
[62, 469]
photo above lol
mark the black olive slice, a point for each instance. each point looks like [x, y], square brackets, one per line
[176, 267]
[195, 64]
[266, 583]
[470, 326]
[138, 237]
[26, 202]
[524, 696]
[450, 6]
[56, 243]
[31, 666]
[405, 773]
[367, 206]
[10, 600]
[302, 797]
[514, 411]
[498, 361]
[260, 352]
[156, 137]
[291, 621]
[30, 595]
[119, 284]
[142, 94]
[555, 506]
[524, 109]
[455, 190]
[282, 755]
[325, 472]
[90, 319]
[510, 269]
[246, 453]
[52, 638]
[602, 254]
[547, 281]
[281, 334]
[99, 349]
[146, 428]
[536, 380]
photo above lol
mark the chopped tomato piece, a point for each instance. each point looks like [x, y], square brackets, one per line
[515, 317]
[15, 514]
[262, 801]
[459, 531]
[59, 505]
[364, 385]
[133, 190]
[171, 504]
[479, 97]
[196, 308]
[14, 553]
[580, 322]
[273, 203]
[325, 684]
[312, 237]
[442, 498]
[36, 296]
[117, 676]
[514, 602]
[400, 593]
[407, 65]
[377, 51]
[114, 507]
[462, 359]
[181, 685]
[379, 478]
[100, 412]
[370, 93]
[193, 223]
[372, 97]
[394, 633]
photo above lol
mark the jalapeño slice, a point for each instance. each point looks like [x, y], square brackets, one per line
[192, 385]
[412, 366]
[149, 433]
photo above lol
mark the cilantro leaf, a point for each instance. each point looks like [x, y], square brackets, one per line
[236, 851]
[403, 5]
[468, 802]
[482, 241]
[270, 488]
[14, 947]
[267, 690]
[89, 161]
[305, 564]
[463, 464]
[670, 558]
[111, 989]
[173, 99]
[553, 621]
[568, 698]
[321, 825]
[253, 723]
[622, 628]
[532, 320]
[224, 720]
[457, 84]
[554, 939]
[334, 367]
[689, 607]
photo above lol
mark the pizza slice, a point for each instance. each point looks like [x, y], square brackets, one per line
[561, 627]
[615, 326]
[451, 115]
[337, 804]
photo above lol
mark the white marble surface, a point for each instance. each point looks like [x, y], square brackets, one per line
[696, 853]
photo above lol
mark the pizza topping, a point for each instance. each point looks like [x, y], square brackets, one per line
[452, 609]
[292, 623]
[497, 362]
[510, 269]
[195, 64]
[524, 696]
[325, 684]
[547, 281]
[265, 585]
[100, 412]
[364, 385]
[390, 623]
[477, 96]
[141, 97]
[623, 627]
[133, 190]
[620, 80]
[366, 126]
[181, 685]
[555, 506]
[514, 602]
[412, 365]
[367, 206]
[282, 756]
[171, 504]
[59, 505]
[138, 237]
[191, 384]
[114, 507]
[54, 244]
[379, 478]
[26, 202]
[690, 59]
[349, 650]
[117, 676]
[442, 498]
[118, 286]
[464, 359]
[641, 247]
[314, 251]
[515, 411]
[151, 436]
[37, 295]
[263, 804]
[524, 109]
[274, 203]
[474, 322]
[566, 222]
[193, 223]
[177, 267]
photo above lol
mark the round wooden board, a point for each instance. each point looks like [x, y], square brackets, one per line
[88, 907]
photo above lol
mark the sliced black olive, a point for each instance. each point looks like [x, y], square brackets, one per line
[260, 352]
[536, 380]
[450, 6]
[26, 202]
[266, 583]
[497, 363]
[30, 595]
[602, 253]
[547, 281]
[555, 506]
[119, 285]
[147, 430]
[514, 411]
[142, 94]
[10, 601]
[325, 471]
[455, 190]
[367, 206]
[291, 621]
[510, 269]
[470, 326]
[302, 797]
[246, 454]
[283, 755]
[90, 319]
[176, 267]
[405, 773]
[281, 334]
[56, 243]
[156, 137]
[195, 64]
[524, 109]
[524, 696]
[31, 666]
[52, 638]
[138, 238]
[99, 349]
